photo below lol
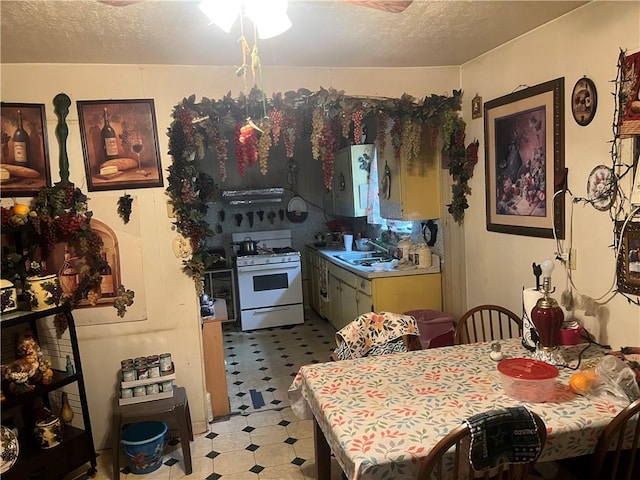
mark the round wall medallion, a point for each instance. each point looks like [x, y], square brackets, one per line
[601, 187]
[584, 101]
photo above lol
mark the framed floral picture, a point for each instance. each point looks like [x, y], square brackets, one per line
[24, 157]
[524, 161]
[120, 144]
[628, 265]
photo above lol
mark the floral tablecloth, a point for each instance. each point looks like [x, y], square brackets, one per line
[381, 415]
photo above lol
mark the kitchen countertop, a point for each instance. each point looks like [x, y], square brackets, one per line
[332, 251]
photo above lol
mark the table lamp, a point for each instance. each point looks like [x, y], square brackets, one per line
[547, 317]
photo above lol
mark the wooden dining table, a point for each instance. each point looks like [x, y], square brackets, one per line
[380, 416]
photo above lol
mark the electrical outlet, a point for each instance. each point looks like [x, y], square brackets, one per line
[573, 259]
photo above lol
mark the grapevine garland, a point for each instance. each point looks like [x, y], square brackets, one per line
[59, 214]
[321, 117]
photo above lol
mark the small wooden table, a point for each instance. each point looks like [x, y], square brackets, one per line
[214, 367]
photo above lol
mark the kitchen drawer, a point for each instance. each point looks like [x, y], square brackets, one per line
[343, 275]
[364, 285]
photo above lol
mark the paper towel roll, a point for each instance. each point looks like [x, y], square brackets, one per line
[530, 297]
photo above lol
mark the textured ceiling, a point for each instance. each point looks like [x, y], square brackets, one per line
[324, 33]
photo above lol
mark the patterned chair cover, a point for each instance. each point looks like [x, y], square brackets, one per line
[374, 334]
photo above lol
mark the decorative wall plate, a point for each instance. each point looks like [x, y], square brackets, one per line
[297, 210]
[601, 187]
[9, 448]
[584, 101]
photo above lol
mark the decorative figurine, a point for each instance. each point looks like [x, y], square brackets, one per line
[30, 368]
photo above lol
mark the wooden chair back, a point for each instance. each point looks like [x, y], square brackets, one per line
[615, 458]
[435, 467]
[487, 322]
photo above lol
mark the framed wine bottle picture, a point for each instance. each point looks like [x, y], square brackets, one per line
[24, 155]
[120, 144]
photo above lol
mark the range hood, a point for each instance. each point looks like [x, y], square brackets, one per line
[253, 196]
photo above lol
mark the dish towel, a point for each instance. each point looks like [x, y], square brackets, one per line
[507, 435]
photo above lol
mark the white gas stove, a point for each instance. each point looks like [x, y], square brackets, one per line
[269, 280]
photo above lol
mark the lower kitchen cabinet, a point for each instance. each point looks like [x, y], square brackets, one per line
[351, 295]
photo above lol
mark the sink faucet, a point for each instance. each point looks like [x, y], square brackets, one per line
[379, 247]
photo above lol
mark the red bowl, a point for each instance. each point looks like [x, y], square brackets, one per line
[528, 380]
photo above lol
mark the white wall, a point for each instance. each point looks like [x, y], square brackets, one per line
[173, 323]
[586, 42]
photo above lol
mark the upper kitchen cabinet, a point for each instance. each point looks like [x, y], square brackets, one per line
[409, 191]
[348, 197]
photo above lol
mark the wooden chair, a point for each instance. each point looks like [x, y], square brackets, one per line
[487, 322]
[434, 464]
[613, 459]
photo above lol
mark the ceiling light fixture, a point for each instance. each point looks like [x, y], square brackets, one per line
[269, 16]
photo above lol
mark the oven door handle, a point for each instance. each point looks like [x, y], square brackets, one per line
[266, 267]
[265, 310]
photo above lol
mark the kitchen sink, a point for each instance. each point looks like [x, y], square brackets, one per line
[363, 259]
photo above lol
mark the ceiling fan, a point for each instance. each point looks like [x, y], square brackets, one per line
[392, 6]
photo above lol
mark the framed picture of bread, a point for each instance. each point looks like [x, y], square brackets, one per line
[120, 144]
[24, 154]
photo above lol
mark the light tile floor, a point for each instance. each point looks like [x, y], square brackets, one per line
[262, 439]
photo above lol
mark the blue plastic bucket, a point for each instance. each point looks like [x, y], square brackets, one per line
[143, 443]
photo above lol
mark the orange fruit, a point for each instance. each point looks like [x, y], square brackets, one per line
[581, 382]
[21, 209]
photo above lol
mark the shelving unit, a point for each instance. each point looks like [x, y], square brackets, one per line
[76, 448]
[221, 283]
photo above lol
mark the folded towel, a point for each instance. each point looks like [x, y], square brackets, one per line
[508, 435]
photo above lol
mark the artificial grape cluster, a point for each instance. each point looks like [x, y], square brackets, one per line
[317, 121]
[177, 141]
[381, 135]
[264, 145]
[123, 299]
[357, 117]
[247, 140]
[396, 137]
[187, 194]
[276, 118]
[6, 216]
[70, 223]
[306, 123]
[124, 207]
[4, 137]
[471, 157]
[289, 125]
[240, 152]
[221, 150]
[93, 296]
[91, 244]
[345, 124]
[433, 135]
[411, 136]
[328, 149]
[185, 118]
